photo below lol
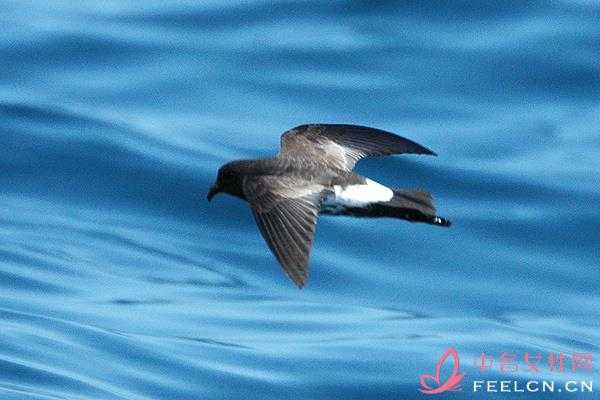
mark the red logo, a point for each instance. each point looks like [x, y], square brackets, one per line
[449, 384]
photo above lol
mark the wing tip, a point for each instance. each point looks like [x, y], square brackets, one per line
[299, 280]
[300, 284]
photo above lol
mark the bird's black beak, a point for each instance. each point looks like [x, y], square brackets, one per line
[213, 190]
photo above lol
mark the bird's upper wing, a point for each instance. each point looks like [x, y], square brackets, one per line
[285, 210]
[341, 146]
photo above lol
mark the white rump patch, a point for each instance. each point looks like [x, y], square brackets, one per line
[361, 195]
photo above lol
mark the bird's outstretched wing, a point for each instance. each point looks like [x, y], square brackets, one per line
[341, 146]
[285, 210]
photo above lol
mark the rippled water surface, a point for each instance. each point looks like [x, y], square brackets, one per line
[119, 281]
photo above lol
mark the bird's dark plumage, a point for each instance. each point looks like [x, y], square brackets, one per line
[312, 174]
[341, 146]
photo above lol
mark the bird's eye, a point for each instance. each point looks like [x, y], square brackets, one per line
[226, 175]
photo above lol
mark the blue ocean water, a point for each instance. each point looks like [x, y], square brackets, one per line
[119, 281]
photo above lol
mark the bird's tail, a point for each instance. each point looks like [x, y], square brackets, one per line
[413, 206]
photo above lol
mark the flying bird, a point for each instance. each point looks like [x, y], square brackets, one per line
[312, 175]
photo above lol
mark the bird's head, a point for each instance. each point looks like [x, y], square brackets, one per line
[229, 180]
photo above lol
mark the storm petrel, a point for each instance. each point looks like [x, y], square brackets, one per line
[313, 174]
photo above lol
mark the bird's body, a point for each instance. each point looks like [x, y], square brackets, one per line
[313, 175]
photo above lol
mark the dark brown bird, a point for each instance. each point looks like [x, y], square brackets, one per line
[312, 174]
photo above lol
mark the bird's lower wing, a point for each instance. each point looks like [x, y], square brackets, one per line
[286, 213]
